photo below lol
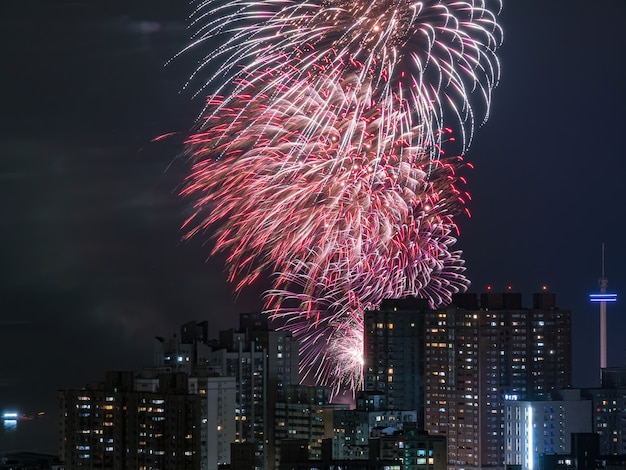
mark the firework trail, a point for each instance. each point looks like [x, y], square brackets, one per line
[438, 52]
[319, 158]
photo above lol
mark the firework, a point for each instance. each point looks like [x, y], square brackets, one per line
[337, 194]
[319, 158]
[436, 53]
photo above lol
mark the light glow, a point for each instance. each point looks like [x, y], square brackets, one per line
[603, 297]
[531, 443]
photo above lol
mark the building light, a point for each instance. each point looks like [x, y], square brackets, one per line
[603, 297]
[529, 430]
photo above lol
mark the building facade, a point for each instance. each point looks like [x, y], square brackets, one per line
[246, 372]
[609, 411]
[300, 415]
[457, 365]
[536, 428]
[111, 425]
[394, 354]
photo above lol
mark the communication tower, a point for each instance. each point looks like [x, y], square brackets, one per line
[603, 297]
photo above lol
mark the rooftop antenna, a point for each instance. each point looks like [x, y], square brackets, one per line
[602, 298]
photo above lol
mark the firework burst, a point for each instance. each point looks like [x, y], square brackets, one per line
[436, 53]
[320, 157]
[341, 199]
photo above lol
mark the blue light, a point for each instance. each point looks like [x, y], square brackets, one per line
[531, 446]
[603, 297]
[9, 425]
[9, 420]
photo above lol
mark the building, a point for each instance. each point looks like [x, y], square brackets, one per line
[218, 418]
[111, 425]
[246, 362]
[456, 365]
[245, 372]
[184, 353]
[583, 456]
[349, 439]
[609, 411]
[300, 416]
[394, 353]
[244, 386]
[29, 461]
[408, 448]
[282, 372]
[264, 363]
[192, 354]
[414, 449]
[534, 429]
[354, 429]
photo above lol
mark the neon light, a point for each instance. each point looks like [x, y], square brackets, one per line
[529, 429]
[603, 297]
[9, 415]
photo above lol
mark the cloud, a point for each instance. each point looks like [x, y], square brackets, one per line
[126, 25]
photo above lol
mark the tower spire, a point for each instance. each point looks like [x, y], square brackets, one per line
[602, 259]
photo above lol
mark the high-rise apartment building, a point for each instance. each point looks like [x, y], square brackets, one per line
[456, 365]
[218, 417]
[262, 364]
[217, 412]
[245, 361]
[282, 371]
[299, 414]
[394, 353]
[192, 354]
[242, 386]
[111, 425]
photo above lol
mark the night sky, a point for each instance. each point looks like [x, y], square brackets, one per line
[92, 265]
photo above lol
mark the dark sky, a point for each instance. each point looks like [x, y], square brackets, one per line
[92, 266]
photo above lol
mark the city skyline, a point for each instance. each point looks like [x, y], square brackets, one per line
[93, 267]
[435, 368]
